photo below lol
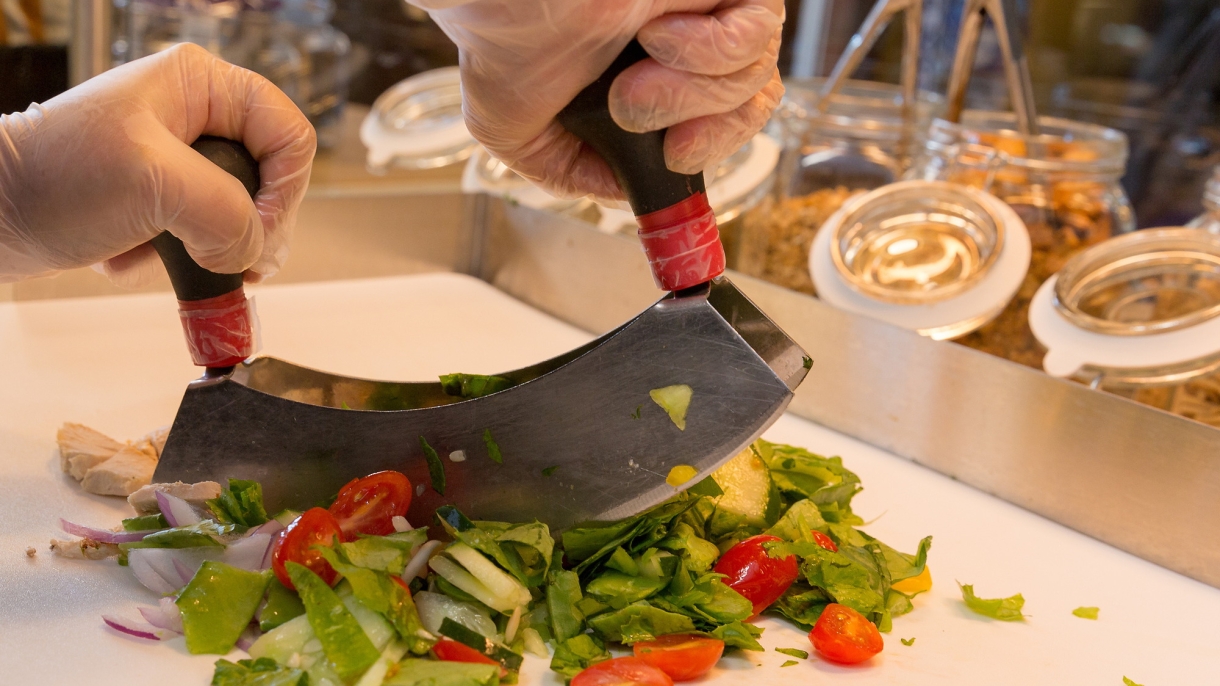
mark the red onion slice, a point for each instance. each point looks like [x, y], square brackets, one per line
[271, 526]
[165, 616]
[102, 535]
[184, 572]
[131, 628]
[249, 552]
[177, 511]
[141, 566]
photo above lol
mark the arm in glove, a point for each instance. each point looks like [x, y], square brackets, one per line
[711, 78]
[92, 175]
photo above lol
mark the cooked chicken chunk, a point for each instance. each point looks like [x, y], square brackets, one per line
[83, 549]
[124, 473]
[145, 500]
[82, 448]
[157, 437]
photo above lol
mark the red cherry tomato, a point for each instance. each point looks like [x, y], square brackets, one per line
[843, 635]
[622, 671]
[756, 575]
[824, 541]
[682, 656]
[296, 544]
[450, 650]
[369, 505]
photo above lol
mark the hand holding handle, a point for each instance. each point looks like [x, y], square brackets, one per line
[677, 226]
[217, 319]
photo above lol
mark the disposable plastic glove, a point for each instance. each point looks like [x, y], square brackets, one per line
[92, 175]
[711, 78]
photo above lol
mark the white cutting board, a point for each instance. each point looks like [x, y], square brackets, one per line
[119, 364]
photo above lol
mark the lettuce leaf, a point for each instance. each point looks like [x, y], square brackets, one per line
[1004, 609]
[261, 672]
[466, 386]
[241, 503]
[416, 672]
[523, 550]
[573, 655]
[389, 554]
[347, 647]
[562, 595]
[799, 473]
[639, 622]
[377, 591]
[738, 635]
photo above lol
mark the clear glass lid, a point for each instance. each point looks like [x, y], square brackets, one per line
[1150, 281]
[915, 244]
[418, 123]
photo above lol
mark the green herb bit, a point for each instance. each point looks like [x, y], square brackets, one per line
[789, 663]
[241, 503]
[707, 487]
[675, 400]
[261, 672]
[493, 448]
[794, 652]
[146, 523]
[549, 470]
[1004, 609]
[1086, 612]
[807, 361]
[907, 641]
[467, 386]
[436, 468]
[636, 414]
[1129, 682]
[343, 405]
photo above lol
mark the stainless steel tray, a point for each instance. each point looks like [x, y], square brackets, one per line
[1140, 479]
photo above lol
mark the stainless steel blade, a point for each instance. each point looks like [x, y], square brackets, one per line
[587, 413]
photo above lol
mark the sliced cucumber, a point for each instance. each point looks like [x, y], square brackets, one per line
[435, 607]
[281, 643]
[495, 579]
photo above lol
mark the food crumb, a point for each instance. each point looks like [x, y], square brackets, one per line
[789, 663]
[907, 641]
[30, 551]
[457, 456]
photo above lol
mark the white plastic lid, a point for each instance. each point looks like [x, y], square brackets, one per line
[942, 319]
[418, 123]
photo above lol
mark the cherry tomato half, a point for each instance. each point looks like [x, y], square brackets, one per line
[756, 575]
[369, 505]
[682, 656]
[622, 671]
[824, 541]
[296, 543]
[843, 635]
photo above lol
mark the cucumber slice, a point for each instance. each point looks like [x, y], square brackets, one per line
[281, 643]
[473, 639]
[434, 608]
[750, 498]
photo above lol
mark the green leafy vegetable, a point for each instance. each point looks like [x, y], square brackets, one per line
[282, 605]
[575, 654]
[473, 639]
[217, 605]
[907, 641]
[707, 487]
[523, 550]
[1005, 609]
[789, 663]
[388, 554]
[436, 468]
[145, 523]
[547, 471]
[1128, 682]
[377, 591]
[493, 448]
[343, 405]
[636, 414]
[807, 362]
[675, 400]
[794, 652]
[205, 533]
[1086, 612]
[261, 672]
[639, 622]
[562, 595]
[241, 503]
[739, 635]
[619, 590]
[466, 386]
[799, 473]
[416, 672]
[347, 647]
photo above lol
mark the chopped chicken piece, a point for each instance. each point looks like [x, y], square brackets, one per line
[82, 448]
[30, 551]
[145, 500]
[83, 549]
[157, 438]
[123, 474]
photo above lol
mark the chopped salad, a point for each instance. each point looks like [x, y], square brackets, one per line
[354, 594]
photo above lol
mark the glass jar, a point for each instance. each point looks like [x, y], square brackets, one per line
[325, 54]
[1210, 219]
[858, 144]
[1064, 183]
[1139, 316]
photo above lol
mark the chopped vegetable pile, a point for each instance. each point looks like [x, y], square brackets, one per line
[353, 594]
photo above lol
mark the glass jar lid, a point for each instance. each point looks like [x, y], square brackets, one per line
[418, 123]
[915, 243]
[1142, 283]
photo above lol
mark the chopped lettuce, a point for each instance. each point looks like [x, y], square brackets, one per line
[218, 604]
[739, 635]
[1086, 612]
[639, 622]
[907, 641]
[436, 468]
[388, 554]
[794, 652]
[799, 473]
[1129, 682]
[493, 448]
[562, 594]
[282, 605]
[675, 400]
[790, 663]
[348, 649]
[575, 654]
[261, 672]
[416, 672]
[467, 386]
[523, 550]
[1005, 609]
[146, 523]
[241, 503]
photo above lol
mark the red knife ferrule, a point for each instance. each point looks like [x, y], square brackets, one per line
[682, 244]
[220, 331]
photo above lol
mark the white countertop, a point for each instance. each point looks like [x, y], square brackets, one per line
[119, 364]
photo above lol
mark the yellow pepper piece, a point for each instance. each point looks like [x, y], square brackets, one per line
[680, 475]
[915, 584]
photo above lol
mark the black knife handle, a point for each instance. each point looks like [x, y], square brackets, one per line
[190, 281]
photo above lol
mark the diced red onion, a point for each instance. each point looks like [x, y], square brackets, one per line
[249, 552]
[146, 574]
[174, 566]
[177, 511]
[131, 628]
[165, 616]
[102, 535]
[271, 526]
[183, 571]
[419, 561]
[248, 637]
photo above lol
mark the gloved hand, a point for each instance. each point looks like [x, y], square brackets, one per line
[712, 78]
[91, 175]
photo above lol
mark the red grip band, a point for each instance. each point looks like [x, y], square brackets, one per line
[220, 331]
[682, 244]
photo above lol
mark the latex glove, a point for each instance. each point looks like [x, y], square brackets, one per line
[93, 174]
[711, 78]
